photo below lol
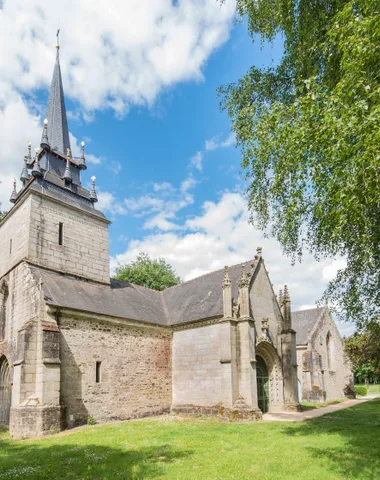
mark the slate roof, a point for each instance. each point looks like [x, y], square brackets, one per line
[305, 320]
[58, 130]
[201, 297]
[194, 300]
[51, 186]
[121, 299]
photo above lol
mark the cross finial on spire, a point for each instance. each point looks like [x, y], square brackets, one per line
[14, 192]
[57, 35]
[93, 196]
[45, 140]
[82, 161]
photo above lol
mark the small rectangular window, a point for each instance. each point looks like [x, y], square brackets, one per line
[60, 234]
[10, 246]
[98, 372]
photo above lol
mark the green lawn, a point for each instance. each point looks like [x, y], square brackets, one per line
[374, 388]
[311, 406]
[341, 445]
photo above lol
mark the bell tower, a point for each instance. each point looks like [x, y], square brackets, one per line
[61, 228]
[53, 228]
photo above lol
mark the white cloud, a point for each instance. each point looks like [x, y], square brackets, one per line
[107, 203]
[188, 184]
[329, 272]
[196, 161]
[162, 205]
[113, 54]
[17, 126]
[230, 140]
[214, 143]
[76, 150]
[161, 222]
[211, 144]
[221, 235]
[164, 186]
[144, 205]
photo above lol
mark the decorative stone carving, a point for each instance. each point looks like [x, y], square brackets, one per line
[226, 279]
[241, 404]
[227, 294]
[280, 298]
[265, 330]
[235, 310]
[245, 278]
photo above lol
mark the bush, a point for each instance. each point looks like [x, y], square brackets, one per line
[91, 420]
[361, 390]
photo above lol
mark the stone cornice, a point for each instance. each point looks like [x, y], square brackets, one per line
[199, 323]
[126, 322]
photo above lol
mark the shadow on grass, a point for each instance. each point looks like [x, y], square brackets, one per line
[359, 428]
[29, 460]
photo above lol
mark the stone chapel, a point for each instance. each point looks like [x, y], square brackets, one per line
[75, 343]
[324, 371]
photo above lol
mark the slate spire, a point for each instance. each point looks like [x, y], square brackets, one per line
[57, 128]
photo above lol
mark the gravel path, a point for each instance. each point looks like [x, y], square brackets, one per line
[317, 412]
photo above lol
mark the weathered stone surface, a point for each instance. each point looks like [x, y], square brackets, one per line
[28, 421]
[84, 251]
[229, 414]
[197, 371]
[323, 368]
[135, 376]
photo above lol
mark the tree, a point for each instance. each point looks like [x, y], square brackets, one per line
[148, 272]
[309, 133]
[363, 349]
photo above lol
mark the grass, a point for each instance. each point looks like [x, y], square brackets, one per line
[373, 389]
[337, 446]
[311, 406]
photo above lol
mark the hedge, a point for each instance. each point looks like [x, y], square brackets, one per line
[361, 390]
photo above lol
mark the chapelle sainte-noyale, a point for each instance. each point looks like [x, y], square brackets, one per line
[75, 344]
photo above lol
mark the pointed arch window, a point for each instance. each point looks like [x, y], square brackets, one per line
[329, 348]
[3, 308]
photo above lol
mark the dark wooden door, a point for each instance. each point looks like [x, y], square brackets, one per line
[262, 384]
[5, 391]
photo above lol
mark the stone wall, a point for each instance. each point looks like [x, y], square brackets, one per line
[15, 229]
[20, 342]
[134, 373]
[264, 306]
[84, 251]
[197, 371]
[320, 379]
[30, 232]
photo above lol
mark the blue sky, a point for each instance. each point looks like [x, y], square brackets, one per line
[140, 80]
[156, 145]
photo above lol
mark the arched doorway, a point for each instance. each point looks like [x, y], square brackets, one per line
[262, 384]
[269, 368]
[5, 391]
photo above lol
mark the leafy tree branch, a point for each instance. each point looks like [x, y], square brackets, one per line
[309, 133]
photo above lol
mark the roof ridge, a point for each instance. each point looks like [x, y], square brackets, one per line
[136, 285]
[308, 309]
[208, 273]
